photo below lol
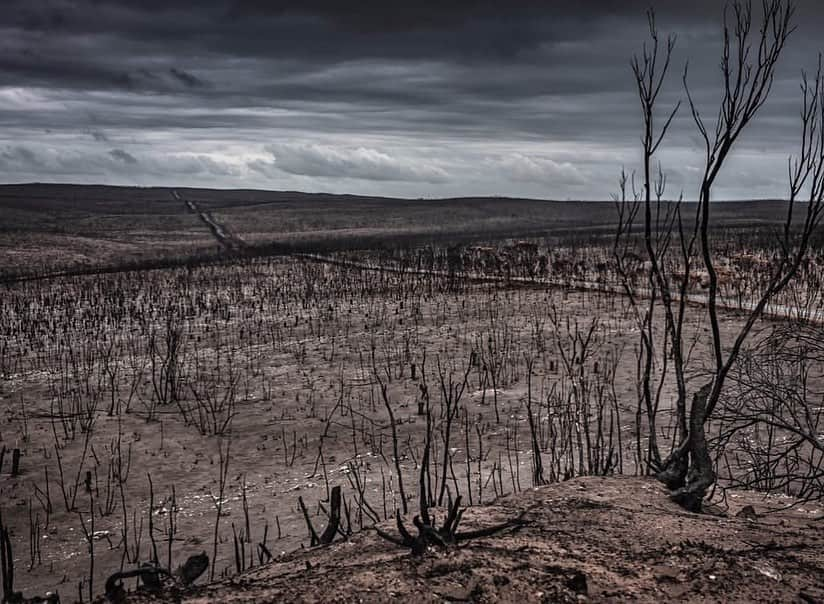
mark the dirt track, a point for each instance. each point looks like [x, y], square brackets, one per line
[221, 233]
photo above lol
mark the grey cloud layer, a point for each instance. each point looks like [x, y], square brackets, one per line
[420, 99]
[340, 162]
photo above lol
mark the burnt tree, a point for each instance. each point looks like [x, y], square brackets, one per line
[752, 46]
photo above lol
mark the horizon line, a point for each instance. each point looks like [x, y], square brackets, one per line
[377, 197]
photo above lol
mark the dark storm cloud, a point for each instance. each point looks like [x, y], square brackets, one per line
[125, 157]
[186, 78]
[420, 98]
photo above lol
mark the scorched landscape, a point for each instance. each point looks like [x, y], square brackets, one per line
[431, 383]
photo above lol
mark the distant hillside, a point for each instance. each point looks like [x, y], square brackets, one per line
[51, 227]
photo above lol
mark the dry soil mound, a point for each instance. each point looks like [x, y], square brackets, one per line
[589, 539]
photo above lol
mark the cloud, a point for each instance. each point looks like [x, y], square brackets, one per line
[19, 159]
[186, 78]
[194, 164]
[359, 163]
[48, 163]
[121, 155]
[419, 99]
[518, 167]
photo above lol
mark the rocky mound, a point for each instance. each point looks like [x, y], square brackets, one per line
[589, 539]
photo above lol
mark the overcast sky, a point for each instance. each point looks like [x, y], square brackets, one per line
[416, 99]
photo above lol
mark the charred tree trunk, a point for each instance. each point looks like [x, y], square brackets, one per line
[689, 471]
[334, 518]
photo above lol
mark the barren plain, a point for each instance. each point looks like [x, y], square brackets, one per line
[173, 388]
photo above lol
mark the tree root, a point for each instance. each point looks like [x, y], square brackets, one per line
[153, 576]
[447, 535]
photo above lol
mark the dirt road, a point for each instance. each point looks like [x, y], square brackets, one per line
[221, 233]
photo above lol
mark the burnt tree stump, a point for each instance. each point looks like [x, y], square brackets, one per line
[15, 462]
